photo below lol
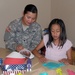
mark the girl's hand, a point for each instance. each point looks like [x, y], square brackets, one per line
[42, 59]
[64, 60]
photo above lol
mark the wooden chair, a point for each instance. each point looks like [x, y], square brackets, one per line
[73, 55]
[43, 50]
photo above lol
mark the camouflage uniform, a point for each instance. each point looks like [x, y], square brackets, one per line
[29, 38]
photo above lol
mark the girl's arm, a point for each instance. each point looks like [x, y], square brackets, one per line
[37, 54]
[69, 57]
[36, 50]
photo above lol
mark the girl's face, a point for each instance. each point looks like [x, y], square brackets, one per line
[55, 31]
[29, 18]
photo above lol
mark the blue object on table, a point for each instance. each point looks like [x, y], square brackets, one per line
[1, 61]
[53, 65]
[29, 64]
[29, 61]
[44, 73]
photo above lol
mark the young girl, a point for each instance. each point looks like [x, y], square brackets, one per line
[58, 47]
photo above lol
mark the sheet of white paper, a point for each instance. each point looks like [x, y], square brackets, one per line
[15, 55]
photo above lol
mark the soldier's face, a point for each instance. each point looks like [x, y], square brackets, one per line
[29, 18]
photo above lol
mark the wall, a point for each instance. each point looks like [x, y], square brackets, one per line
[12, 9]
[65, 9]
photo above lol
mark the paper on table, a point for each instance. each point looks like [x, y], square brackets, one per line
[31, 55]
[53, 65]
[15, 55]
[70, 72]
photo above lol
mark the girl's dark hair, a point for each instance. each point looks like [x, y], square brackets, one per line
[31, 8]
[63, 35]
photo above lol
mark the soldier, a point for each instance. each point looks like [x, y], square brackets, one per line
[24, 32]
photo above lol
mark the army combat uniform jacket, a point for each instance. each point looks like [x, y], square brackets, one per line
[28, 38]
